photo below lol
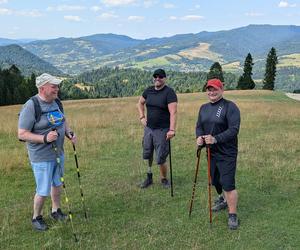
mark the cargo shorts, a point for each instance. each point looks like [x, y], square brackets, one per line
[155, 140]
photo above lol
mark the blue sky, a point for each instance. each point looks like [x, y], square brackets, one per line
[43, 19]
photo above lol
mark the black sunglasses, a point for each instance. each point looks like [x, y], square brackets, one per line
[159, 76]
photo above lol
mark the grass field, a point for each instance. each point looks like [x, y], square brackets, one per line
[121, 216]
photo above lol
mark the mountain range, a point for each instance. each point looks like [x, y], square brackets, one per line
[183, 52]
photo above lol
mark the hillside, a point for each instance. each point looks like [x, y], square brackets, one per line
[183, 52]
[75, 55]
[27, 62]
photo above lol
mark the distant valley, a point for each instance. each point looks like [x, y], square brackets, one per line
[183, 52]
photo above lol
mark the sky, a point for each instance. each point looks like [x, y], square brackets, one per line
[140, 19]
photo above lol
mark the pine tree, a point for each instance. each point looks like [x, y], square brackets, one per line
[245, 81]
[215, 71]
[270, 73]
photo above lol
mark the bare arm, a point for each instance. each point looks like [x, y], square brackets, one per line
[173, 116]
[69, 133]
[141, 109]
[26, 135]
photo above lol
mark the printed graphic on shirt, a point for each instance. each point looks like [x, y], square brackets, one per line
[219, 111]
[55, 118]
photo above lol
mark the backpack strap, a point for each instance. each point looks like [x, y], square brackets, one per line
[60, 105]
[38, 109]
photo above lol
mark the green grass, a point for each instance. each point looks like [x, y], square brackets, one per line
[121, 216]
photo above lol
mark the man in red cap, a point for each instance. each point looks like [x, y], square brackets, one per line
[218, 125]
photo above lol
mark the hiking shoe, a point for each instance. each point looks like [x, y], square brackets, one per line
[39, 224]
[58, 215]
[165, 183]
[233, 222]
[146, 183]
[220, 204]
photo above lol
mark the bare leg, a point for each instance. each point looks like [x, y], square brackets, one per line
[55, 197]
[38, 204]
[163, 171]
[232, 199]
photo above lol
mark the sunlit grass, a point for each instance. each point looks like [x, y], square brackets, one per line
[121, 216]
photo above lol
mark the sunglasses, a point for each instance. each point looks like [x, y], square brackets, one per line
[158, 76]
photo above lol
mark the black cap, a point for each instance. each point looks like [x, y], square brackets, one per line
[159, 72]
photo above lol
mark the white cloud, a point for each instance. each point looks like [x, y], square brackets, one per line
[149, 3]
[169, 6]
[254, 14]
[107, 16]
[66, 8]
[29, 13]
[136, 18]
[95, 8]
[173, 18]
[191, 18]
[73, 18]
[285, 4]
[4, 11]
[3, 1]
[118, 2]
[197, 6]
[26, 13]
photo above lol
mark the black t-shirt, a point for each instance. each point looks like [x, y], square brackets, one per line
[222, 120]
[157, 101]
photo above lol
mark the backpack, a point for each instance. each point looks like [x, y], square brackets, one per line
[37, 107]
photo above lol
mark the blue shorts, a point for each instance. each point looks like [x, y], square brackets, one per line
[47, 174]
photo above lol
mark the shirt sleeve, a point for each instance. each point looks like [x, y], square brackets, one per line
[199, 128]
[233, 120]
[171, 96]
[27, 116]
[145, 94]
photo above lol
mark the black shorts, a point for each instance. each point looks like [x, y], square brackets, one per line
[223, 173]
[155, 139]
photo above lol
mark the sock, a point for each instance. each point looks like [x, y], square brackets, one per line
[232, 215]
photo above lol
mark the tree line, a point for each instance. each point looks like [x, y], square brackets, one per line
[118, 82]
[14, 87]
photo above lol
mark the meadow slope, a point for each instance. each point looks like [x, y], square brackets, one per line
[121, 216]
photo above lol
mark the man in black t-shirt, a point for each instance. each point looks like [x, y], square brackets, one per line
[159, 125]
[218, 125]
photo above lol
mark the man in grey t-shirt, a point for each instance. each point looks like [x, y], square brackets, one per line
[43, 134]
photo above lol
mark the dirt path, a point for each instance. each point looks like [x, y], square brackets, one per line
[293, 96]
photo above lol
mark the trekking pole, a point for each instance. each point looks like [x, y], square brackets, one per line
[171, 177]
[209, 183]
[79, 181]
[195, 179]
[64, 188]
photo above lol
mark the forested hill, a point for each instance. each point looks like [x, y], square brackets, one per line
[26, 62]
[108, 82]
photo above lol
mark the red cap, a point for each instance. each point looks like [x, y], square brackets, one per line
[215, 83]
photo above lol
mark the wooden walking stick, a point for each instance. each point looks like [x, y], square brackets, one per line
[195, 180]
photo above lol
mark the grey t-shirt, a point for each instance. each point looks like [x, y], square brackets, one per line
[39, 152]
